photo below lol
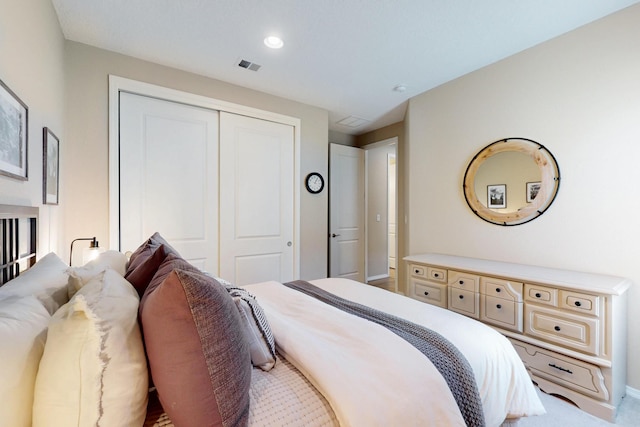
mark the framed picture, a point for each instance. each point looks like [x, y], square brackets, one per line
[14, 139]
[532, 190]
[50, 167]
[497, 196]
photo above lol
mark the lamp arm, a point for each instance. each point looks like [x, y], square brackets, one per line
[94, 244]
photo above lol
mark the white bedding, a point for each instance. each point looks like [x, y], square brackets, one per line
[372, 377]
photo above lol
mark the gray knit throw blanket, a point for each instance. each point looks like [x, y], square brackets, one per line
[451, 364]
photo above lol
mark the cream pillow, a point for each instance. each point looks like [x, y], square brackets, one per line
[46, 280]
[80, 276]
[94, 370]
[23, 329]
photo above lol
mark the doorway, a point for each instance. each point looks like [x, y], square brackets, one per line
[381, 207]
[362, 218]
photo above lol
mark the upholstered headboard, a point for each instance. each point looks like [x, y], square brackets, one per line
[18, 240]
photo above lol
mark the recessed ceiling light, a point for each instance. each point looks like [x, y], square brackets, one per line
[273, 42]
[400, 88]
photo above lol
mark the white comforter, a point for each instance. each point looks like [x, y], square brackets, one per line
[371, 377]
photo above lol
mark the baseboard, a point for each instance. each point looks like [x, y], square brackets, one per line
[378, 277]
[633, 392]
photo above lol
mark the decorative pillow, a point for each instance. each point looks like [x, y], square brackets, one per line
[261, 342]
[141, 276]
[197, 351]
[147, 248]
[170, 263]
[46, 280]
[23, 331]
[141, 255]
[80, 276]
[93, 370]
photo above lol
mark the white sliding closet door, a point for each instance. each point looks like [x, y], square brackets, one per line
[169, 177]
[256, 200]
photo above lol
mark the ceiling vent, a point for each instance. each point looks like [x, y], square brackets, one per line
[352, 122]
[249, 65]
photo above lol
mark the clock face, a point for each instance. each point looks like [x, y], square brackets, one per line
[314, 183]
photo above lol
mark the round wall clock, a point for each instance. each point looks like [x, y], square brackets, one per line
[314, 182]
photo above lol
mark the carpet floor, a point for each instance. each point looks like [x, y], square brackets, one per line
[566, 414]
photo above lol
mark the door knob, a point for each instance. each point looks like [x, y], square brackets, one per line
[334, 235]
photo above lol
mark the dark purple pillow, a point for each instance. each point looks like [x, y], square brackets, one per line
[141, 275]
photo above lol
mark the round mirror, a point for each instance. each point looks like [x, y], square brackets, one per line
[511, 181]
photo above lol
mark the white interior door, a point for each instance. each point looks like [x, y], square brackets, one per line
[256, 200]
[346, 216]
[168, 177]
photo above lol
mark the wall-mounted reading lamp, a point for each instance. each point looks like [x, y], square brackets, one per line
[89, 253]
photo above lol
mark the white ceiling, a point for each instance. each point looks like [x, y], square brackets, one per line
[345, 56]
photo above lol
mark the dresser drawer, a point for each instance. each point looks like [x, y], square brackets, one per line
[580, 303]
[434, 274]
[574, 374]
[541, 294]
[464, 302]
[430, 292]
[418, 270]
[566, 329]
[501, 288]
[502, 313]
[465, 281]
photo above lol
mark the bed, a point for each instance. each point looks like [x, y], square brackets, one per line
[151, 340]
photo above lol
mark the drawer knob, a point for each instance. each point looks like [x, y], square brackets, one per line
[461, 282]
[553, 365]
[557, 328]
[461, 297]
[499, 306]
[426, 293]
[436, 275]
[578, 303]
[498, 290]
[538, 295]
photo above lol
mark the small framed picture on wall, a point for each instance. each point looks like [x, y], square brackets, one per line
[532, 190]
[497, 196]
[51, 167]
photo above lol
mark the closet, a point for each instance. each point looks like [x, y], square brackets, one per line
[218, 185]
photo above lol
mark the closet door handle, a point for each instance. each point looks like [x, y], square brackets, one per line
[334, 235]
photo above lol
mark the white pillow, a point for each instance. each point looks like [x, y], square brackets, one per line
[80, 276]
[46, 280]
[94, 370]
[23, 330]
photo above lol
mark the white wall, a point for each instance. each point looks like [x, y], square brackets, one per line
[87, 74]
[32, 66]
[579, 95]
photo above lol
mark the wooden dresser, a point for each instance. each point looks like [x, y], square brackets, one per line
[569, 328]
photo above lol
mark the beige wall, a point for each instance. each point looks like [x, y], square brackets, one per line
[579, 95]
[86, 183]
[32, 66]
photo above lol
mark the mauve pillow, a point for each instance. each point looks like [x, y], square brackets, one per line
[141, 276]
[170, 263]
[198, 352]
[147, 248]
[159, 240]
[140, 255]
